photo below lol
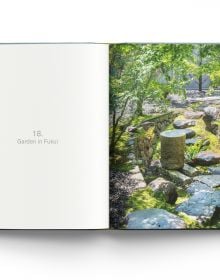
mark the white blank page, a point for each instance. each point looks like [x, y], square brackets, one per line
[61, 179]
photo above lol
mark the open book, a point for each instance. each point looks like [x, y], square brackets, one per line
[149, 111]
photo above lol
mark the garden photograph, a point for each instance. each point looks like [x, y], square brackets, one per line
[164, 128]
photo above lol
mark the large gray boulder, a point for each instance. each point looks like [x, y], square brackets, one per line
[211, 115]
[164, 188]
[184, 123]
[154, 218]
[207, 158]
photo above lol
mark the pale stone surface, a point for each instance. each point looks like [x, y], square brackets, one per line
[201, 205]
[211, 113]
[172, 149]
[207, 158]
[135, 170]
[192, 141]
[189, 132]
[212, 181]
[154, 218]
[193, 115]
[166, 188]
[198, 187]
[184, 123]
[137, 178]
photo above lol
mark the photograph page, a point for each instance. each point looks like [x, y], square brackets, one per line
[164, 136]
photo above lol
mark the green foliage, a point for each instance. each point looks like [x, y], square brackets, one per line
[156, 152]
[201, 131]
[205, 60]
[140, 72]
[139, 119]
[192, 150]
[190, 222]
[143, 199]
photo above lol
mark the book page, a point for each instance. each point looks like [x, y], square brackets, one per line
[164, 117]
[53, 144]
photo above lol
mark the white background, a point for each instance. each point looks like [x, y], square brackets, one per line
[98, 254]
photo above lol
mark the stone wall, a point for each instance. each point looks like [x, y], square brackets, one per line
[146, 135]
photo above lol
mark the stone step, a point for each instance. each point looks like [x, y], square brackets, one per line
[154, 218]
[137, 178]
[189, 170]
[202, 205]
[191, 141]
[177, 177]
[212, 181]
[189, 132]
[197, 186]
[184, 123]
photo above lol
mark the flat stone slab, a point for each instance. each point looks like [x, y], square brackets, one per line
[212, 181]
[137, 178]
[197, 186]
[207, 158]
[178, 177]
[203, 99]
[154, 218]
[193, 115]
[188, 132]
[189, 170]
[202, 205]
[192, 141]
[184, 123]
[215, 170]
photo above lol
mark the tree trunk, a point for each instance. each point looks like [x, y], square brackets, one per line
[112, 144]
[200, 64]
[139, 109]
[200, 83]
[113, 136]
